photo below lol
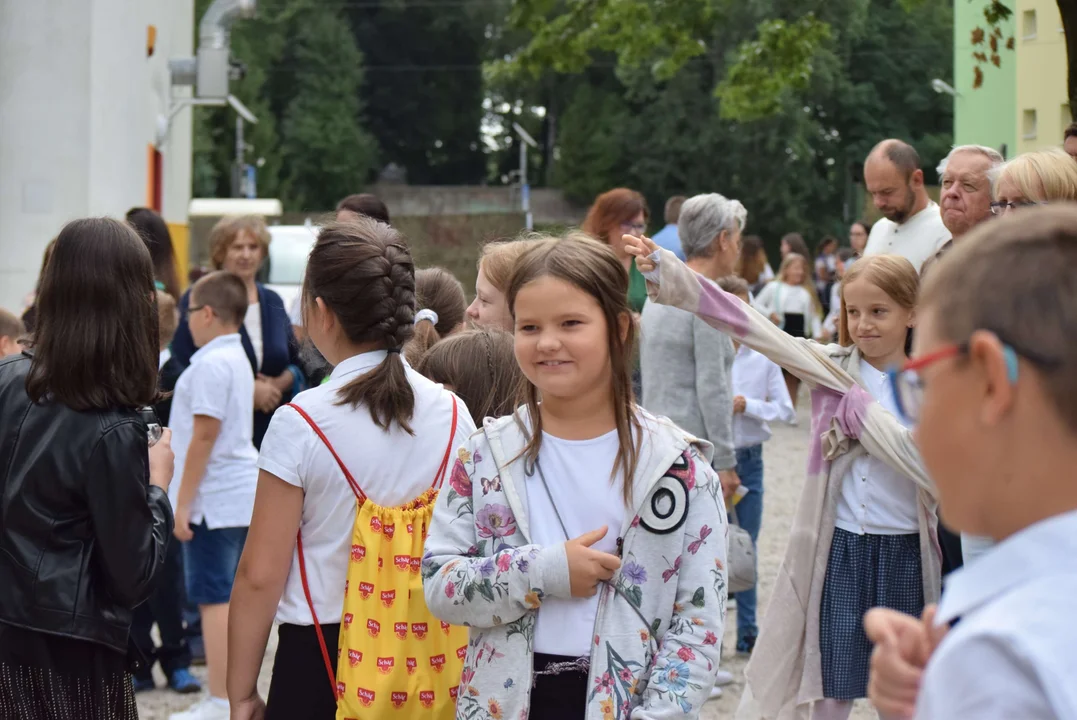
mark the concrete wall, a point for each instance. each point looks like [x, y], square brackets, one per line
[548, 205]
[985, 115]
[1041, 109]
[79, 101]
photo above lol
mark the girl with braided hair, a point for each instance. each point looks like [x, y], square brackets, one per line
[349, 471]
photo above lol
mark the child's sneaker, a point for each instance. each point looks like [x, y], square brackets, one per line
[142, 685]
[183, 682]
[207, 709]
[746, 644]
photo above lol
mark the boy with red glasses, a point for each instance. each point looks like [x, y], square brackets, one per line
[993, 388]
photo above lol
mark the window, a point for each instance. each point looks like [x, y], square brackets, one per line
[1028, 25]
[1028, 126]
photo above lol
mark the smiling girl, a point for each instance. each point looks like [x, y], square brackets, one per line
[582, 539]
[865, 533]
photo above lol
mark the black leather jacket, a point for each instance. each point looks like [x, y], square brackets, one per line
[82, 532]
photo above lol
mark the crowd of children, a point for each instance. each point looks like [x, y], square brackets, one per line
[471, 516]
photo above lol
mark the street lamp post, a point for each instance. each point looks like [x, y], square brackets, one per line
[525, 188]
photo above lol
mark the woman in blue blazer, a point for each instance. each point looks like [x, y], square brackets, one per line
[239, 245]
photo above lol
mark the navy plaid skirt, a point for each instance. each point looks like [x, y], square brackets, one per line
[863, 571]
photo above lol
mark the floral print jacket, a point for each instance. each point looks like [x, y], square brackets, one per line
[660, 619]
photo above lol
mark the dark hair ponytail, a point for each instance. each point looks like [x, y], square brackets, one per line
[363, 272]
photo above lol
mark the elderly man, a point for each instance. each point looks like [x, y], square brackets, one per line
[965, 176]
[912, 226]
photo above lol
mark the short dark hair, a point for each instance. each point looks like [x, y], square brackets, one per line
[95, 344]
[366, 205]
[903, 155]
[673, 209]
[225, 293]
[735, 285]
[10, 326]
[1071, 131]
[153, 230]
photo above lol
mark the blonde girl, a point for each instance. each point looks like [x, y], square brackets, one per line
[865, 532]
[490, 308]
[791, 303]
[582, 540]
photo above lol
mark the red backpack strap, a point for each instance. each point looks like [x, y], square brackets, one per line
[359, 494]
[360, 497]
[440, 477]
[314, 615]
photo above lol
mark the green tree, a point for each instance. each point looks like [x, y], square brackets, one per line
[423, 85]
[326, 152]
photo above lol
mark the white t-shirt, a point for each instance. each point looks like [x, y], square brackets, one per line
[218, 384]
[390, 467]
[578, 475]
[778, 298]
[253, 323]
[876, 499]
[917, 239]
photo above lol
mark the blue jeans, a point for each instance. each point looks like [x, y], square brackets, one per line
[210, 560]
[750, 515]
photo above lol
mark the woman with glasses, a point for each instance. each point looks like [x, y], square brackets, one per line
[865, 533]
[1035, 178]
[615, 214]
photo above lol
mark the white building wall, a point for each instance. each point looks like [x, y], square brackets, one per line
[78, 112]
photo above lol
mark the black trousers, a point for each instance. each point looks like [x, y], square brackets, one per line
[165, 608]
[299, 687]
[558, 697]
[950, 541]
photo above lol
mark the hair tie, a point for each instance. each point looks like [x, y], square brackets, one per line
[393, 350]
[426, 314]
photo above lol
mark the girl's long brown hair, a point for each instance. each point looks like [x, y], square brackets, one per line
[95, 344]
[363, 272]
[481, 367]
[595, 269]
[436, 289]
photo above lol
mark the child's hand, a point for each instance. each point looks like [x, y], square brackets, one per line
[587, 567]
[739, 404]
[903, 646]
[267, 397]
[162, 461]
[182, 529]
[641, 248]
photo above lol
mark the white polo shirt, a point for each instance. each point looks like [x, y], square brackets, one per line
[390, 467]
[916, 239]
[219, 384]
[1014, 652]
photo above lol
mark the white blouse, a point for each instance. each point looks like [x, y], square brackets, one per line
[779, 298]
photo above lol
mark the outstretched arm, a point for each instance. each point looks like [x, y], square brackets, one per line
[671, 282]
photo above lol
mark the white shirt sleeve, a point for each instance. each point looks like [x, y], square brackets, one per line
[211, 389]
[776, 406]
[765, 298]
[285, 447]
[983, 677]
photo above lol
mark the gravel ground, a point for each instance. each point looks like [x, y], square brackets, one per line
[784, 458]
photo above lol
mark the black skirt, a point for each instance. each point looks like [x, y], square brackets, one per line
[300, 687]
[48, 677]
[558, 697]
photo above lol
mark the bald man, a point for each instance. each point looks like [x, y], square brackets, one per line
[912, 225]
